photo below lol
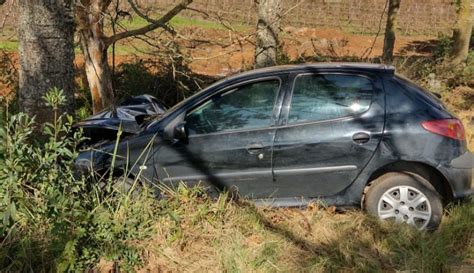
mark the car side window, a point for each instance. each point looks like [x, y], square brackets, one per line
[328, 96]
[246, 107]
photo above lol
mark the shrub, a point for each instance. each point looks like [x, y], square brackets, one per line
[52, 220]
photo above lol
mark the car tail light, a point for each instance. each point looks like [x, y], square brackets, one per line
[451, 128]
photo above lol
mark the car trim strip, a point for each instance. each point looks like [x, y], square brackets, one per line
[252, 174]
[241, 175]
[314, 170]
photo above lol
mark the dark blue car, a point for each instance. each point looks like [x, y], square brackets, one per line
[352, 135]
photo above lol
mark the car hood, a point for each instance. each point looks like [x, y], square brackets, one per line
[128, 115]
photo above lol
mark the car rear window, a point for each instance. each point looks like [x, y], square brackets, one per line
[424, 94]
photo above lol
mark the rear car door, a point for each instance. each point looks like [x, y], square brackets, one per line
[331, 127]
[230, 140]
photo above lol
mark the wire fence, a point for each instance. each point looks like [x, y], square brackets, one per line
[360, 16]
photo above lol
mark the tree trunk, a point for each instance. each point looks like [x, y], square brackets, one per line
[390, 30]
[91, 32]
[94, 44]
[462, 33]
[97, 69]
[46, 34]
[268, 28]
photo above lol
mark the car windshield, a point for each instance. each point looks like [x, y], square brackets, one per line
[153, 120]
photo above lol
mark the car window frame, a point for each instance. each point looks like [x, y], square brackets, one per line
[289, 99]
[273, 115]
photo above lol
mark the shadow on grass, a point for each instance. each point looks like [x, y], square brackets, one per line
[362, 243]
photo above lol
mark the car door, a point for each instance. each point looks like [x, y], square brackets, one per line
[332, 126]
[230, 137]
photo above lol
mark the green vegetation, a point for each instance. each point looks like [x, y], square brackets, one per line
[51, 220]
[9, 45]
[8, 39]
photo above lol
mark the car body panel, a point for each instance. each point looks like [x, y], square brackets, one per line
[320, 158]
[226, 159]
[220, 160]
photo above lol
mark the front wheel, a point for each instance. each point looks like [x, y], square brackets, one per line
[124, 186]
[405, 198]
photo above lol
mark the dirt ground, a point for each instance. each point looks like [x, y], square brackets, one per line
[299, 42]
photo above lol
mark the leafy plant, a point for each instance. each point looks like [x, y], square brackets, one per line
[52, 219]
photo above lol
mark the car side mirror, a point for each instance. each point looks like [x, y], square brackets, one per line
[181, 131]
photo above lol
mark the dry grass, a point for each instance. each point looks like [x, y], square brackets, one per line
[198, 234]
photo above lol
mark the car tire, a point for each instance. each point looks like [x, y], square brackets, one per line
[123, 185]
[404, 197]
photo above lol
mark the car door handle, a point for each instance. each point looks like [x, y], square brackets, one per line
[361, 138]
[254, 148]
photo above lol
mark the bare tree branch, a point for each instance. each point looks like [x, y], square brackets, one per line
[152, 26]
[148, 19]
[368, 51]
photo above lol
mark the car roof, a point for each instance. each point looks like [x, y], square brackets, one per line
[369, 67]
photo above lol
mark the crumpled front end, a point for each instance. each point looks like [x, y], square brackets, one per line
[127, 117]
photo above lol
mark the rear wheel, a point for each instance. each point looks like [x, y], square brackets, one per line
[404, 197]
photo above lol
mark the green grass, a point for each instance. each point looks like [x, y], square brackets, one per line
[9, 45]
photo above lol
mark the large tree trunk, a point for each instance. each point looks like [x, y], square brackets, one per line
[390, 30]
[91, 32]
[46, 34]
[268, 28]
[462, 33]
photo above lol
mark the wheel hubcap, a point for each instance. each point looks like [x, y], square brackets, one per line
[405, 204]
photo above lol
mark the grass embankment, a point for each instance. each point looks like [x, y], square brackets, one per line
[202, 235]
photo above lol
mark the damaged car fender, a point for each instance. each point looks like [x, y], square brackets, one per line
[135, 159]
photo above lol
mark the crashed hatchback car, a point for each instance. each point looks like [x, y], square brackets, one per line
[351, 135]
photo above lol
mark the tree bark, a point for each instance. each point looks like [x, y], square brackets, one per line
[462, 32]
[89, 17]
[268, 29]
[390, 31]
[46, 34]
